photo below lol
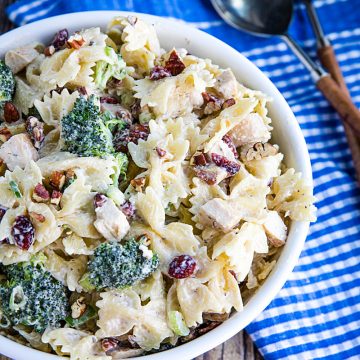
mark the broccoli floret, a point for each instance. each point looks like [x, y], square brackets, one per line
[113, 123]
[114, 67]
[83, 132]
[121, 168]
[31, 296]
[7, 83]
[116, 266]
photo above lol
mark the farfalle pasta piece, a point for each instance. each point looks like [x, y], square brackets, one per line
[97, 171]
[230, 117]
[238, 246]
[293, 196]
[25, 95]
[55, 106]
[77, 344]
[67, 271]
[140, 45]
[176, 95]
[122, 311]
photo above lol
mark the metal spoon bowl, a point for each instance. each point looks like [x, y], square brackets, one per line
[273, 17]
[266, 18]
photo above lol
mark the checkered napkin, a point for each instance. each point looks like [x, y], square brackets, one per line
[317, 313]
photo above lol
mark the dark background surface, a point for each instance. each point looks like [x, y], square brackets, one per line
[240, 347]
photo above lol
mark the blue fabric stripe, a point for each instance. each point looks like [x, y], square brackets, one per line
[329, 263]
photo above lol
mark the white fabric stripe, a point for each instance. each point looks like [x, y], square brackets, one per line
[311, 304]
[37, 14]
[24, 9]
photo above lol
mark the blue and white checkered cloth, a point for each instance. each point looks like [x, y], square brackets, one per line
[317, 313]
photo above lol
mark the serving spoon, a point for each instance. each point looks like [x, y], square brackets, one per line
[272, 18]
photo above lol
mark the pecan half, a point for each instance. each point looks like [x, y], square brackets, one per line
[110, 344]
[37, 217]
[49, 50]
[35, 129]
[138, 184]
[5, 134]
[55, 197]
[57, 180]
[160, 152]
[40, 193]
[11, 113]
[75, 42]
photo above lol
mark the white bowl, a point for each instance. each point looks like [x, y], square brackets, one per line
[286, 133]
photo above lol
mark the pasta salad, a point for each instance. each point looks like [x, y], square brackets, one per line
[141, 198]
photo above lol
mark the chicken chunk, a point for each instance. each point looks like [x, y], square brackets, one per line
[226, 84]
[17, 59]
[18, 151]
[110, 222]
[275, 229]
[217, 214]
[251, 130]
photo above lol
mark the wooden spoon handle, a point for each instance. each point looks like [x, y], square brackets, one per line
[341, 102]
[328, 59]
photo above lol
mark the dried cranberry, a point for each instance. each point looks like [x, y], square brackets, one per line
[207, 176]
[174, 64]
[11, 113]
[82, 90]
[200, 159]
[229, 142]
[131, 134]
[182, 267]
[159, 72]
[128, 209]
[60, 39]
[23, 232]
[2, 211]
[110, 344]
[99, 200]
[229, 102]
[108, 100]
[231, 167]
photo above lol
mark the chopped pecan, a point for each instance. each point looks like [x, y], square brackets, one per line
[174, 64]
[35, 129]
[128, 209]
[57, 180]
[75, 41]
[11, 113]
[49, 50]
[110, 344]
[40, 193]
[199, 159]
[131, 134]
[229, 142]
[108, 100]
[36, 216]
[212, 103]
[138, 184]
[78, 308]
[159, 72]
[231, 167]
[99, 200]
[258, 151]
[55, 197]
[227, 103]
[207, 176]
[5, 134]
[160, 152]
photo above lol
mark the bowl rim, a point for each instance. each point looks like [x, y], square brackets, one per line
[298, 232]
